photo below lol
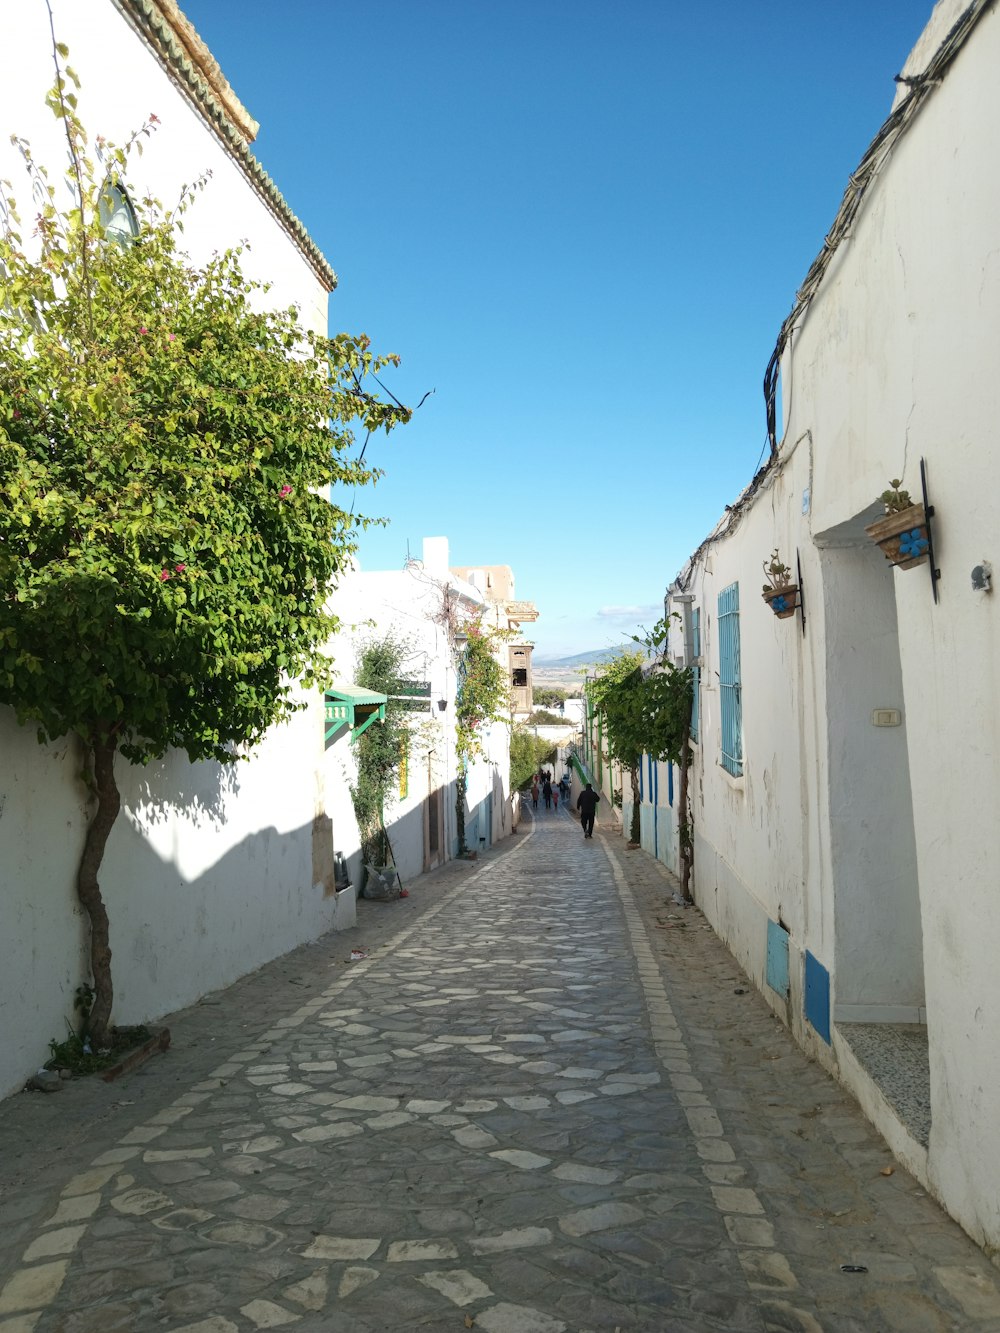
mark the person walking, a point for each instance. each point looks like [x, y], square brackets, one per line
[547, 792]
[534, 794]
[586, 803]
[555, 798]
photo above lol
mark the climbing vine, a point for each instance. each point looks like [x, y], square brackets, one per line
[482, 698]
[381, 748]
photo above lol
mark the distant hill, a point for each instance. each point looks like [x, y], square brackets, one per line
[593, 658]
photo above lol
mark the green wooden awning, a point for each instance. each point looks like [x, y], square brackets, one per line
[352, 707]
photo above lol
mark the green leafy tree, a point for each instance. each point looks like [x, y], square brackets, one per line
[645, 702]
[548, 696]
[167, 446]
[528, 753]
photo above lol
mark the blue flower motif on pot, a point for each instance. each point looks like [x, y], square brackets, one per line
[912, 544]
[779, 603]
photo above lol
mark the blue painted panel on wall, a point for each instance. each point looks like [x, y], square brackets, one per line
[818, 996]
[777, 958]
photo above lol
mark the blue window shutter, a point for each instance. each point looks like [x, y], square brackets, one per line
[817, 997]
[730, 685]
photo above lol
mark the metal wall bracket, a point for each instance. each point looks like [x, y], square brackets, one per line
[928, 515]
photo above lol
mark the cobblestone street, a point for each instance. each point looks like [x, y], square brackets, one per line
[544, 1101]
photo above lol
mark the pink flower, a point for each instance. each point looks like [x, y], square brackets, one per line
[17, 415]
[164, 575]
[171, 337]
[180, 568]
[143, 330]
[285, 490]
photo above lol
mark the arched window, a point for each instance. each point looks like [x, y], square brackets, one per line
[116, 214]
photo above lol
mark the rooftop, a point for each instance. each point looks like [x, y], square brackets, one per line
[190, 64]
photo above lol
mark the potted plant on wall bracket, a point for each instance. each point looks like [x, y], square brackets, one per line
[902, 535]
[781, 592]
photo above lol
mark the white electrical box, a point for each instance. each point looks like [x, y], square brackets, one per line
[886, 717]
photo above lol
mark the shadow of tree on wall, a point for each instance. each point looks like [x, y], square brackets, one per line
[174, 786]
[191, 934]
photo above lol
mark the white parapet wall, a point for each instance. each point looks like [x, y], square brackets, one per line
[209, 871]
[859, 833]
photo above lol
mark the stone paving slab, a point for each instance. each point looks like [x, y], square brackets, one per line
[537, 1104]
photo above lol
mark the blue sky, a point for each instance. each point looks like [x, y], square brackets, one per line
[582, 225]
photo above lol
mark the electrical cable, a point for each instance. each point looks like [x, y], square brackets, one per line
[893, 127]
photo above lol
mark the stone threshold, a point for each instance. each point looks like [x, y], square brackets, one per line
[895, 1058]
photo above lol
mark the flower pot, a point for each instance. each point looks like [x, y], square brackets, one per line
[783, 601]
[902, 537]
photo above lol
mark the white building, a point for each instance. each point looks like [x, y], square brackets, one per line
[427, 607]
[209, 872]
[844, 781]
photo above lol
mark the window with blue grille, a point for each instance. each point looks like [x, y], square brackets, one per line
[730, 687]
[696, 673]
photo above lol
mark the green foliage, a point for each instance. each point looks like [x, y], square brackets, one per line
[528, 753]
[80, 1057]
[778, 574]
[895, 500]
[645, 712]
[543, 719]
[548, 696]
[167, 446]
[616, 695]
[381, 748]
[482, 696]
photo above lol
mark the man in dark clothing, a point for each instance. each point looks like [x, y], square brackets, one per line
[586, 803]
[547, 792]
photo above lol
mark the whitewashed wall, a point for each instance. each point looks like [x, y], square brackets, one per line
[410, 602]
[897, 361]
[208, 873]
[879, 847]
[122, 82]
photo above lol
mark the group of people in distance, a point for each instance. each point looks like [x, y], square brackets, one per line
[542, 785]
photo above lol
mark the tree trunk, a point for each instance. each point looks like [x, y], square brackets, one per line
[635, 830]
[102, 757]
[684, 828]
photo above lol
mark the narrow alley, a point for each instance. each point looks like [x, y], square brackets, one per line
[543, 1100]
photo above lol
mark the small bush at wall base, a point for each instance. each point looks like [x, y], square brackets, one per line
[76, 1054]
